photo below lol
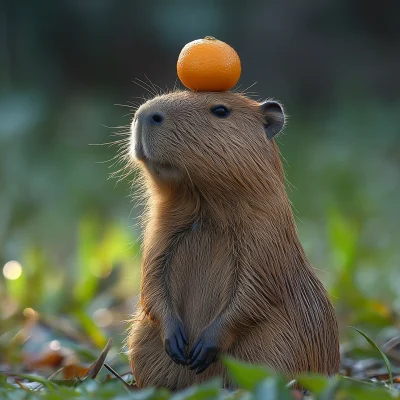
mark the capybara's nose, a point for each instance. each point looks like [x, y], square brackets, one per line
[155, 118]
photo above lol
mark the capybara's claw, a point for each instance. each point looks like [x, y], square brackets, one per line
[175, 342]
[202, 355]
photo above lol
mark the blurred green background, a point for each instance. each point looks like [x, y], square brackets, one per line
[69, 241]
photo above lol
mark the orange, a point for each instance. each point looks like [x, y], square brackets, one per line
[208, 65]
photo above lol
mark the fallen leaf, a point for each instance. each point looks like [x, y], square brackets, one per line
[95, 368]
[75, 371]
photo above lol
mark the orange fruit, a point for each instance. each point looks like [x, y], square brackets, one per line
[208, 65]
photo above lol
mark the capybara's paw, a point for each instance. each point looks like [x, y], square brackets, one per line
[204, 352]
[175, 341]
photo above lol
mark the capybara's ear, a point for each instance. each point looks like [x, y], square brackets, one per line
[274, 117]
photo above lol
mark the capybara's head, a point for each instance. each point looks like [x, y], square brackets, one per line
[223, 139]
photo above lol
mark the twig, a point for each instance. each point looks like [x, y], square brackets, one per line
[126, 385]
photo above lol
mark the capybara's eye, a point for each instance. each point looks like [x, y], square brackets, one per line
[220, 111]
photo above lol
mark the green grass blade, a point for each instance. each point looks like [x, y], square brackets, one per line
[247, 376]
[313, 382]
[375, 346]
[34, 378]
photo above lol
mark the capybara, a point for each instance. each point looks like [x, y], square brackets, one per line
[223, 271]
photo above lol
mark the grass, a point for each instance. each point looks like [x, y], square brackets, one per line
[254, 382]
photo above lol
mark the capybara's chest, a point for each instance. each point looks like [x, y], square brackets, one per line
[200, 278]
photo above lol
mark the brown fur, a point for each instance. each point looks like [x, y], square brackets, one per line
[221, 249]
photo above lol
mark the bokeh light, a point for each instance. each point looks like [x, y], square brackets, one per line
[55, 345]
[29, 312]
[12, 270]
[102, 317]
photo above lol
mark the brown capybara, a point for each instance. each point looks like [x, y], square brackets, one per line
[223, 270]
